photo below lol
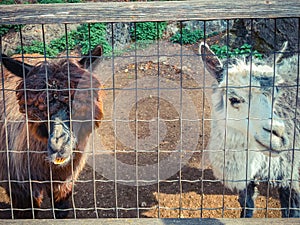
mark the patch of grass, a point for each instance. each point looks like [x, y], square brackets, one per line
[143, 31]
[187, 36]
[97, 37]
[78, 38]
[4, 29]
[37, 47]
[245, 50]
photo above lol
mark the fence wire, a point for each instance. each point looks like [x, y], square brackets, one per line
[180, 137]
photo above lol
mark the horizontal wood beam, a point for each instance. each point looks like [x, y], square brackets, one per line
[151, 221]
[147, 11]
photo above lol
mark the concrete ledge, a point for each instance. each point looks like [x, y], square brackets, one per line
[143, 221]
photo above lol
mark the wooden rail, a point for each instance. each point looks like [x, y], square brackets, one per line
[149, 221]
[147, 11]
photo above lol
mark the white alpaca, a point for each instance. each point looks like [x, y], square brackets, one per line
[254, 137]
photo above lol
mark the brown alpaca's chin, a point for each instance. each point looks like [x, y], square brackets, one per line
[61, 160]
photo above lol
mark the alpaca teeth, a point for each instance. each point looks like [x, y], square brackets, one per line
[59, 161]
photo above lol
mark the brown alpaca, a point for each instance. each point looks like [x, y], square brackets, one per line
[47, 114]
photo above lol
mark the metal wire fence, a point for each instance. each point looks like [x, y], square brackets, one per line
[185, 133]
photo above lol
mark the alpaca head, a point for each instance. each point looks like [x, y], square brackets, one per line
[62, 101]
[243, 103]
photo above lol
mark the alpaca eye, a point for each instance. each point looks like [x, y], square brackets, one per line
[55, 96]
[235, 101]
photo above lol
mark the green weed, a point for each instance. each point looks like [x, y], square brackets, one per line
[77, 38]
[187, 36]
[143, 31]
[245, 50]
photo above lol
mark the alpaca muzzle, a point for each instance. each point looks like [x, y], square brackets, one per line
[273, 137]
[61, 141]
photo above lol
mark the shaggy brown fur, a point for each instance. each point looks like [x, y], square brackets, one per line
[25, 170]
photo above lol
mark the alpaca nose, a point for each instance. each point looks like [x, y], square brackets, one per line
[59, 139]
[275, 127]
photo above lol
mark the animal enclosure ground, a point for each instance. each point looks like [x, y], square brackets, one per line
[190, 192]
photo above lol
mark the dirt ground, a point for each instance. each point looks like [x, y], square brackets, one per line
[154, 106]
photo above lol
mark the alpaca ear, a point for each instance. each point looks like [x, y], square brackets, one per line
[211, 62]
[16, 67]
[91, 57]
[280, 56]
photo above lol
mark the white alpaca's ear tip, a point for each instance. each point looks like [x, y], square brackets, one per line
[204, 45]
[285, 44]
[200, 46]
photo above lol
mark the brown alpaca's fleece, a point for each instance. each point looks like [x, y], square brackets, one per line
[23, 153]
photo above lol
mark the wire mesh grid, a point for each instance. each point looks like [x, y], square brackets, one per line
[154, 154]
